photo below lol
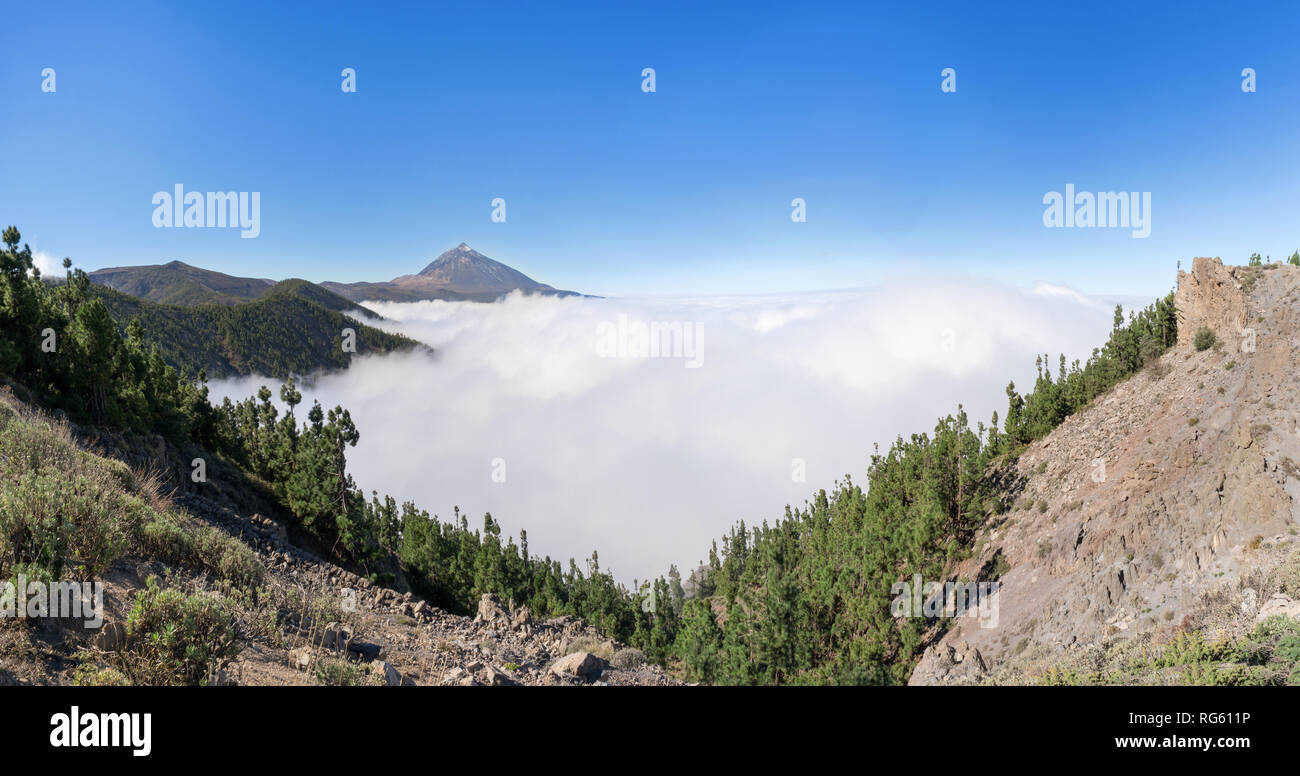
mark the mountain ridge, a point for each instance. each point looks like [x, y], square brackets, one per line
[181, 284]
[460, 274]
[294, 327]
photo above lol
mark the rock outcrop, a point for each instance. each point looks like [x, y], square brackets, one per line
[1180, 482]
[1210, 296]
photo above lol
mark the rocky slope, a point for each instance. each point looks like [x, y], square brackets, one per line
[406, 641]
[1166, 505]
[309, 621]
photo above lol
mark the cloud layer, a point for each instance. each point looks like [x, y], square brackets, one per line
[648, 460]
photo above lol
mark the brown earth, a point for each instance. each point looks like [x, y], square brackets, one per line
[1170, 496]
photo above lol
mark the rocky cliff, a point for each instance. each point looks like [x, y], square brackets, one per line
[1166, 506]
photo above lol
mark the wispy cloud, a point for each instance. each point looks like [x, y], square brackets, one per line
[50, 266]
[648, 461]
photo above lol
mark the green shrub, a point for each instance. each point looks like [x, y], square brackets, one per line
[94, 675]
[628, 659]
[1213, 675]
[174, 638]
[61, 506]
[1000, 566]
[1251, 652]
[174, 537]
[1186, 648]
[341, 673]
[48, 518]
[1205, 338]
[1288, 648]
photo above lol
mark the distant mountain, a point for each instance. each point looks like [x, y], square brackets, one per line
[294, 328]
[461, 273]
[467, 271]
[179, 283]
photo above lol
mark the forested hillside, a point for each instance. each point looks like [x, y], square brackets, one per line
[807, 598]
[61, 349]
[804, 598]
[294, 327]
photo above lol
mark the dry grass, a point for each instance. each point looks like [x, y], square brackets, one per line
[601, 649]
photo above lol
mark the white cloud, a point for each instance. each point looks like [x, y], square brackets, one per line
[648, 461]
[1049, 289]
[50, 266]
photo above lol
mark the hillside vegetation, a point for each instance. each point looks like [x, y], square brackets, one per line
[803, 599]
[293, 328]
[177, 283]
[60, 347]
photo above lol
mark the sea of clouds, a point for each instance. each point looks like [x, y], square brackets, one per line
[648, 460]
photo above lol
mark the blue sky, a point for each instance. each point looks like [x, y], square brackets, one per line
[613, 191]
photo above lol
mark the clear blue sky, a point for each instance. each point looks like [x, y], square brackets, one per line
[613, 191]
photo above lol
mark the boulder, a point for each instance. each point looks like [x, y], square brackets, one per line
[111, 637]
[1278, 605]
[496, 677]
[301, 658]
[490, 609]
[334, 636]
[583, 665]
[365, 650]
[387, 673]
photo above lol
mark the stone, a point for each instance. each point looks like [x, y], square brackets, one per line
[582, 665]
[1278, 605]
[365, 650]
[334, 636]
[110, 637]
[387, 672]
[301, 658]
[496, 677]
[490, 609]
